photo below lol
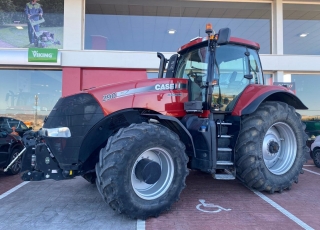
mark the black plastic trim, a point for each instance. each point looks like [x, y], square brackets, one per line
[274, 95]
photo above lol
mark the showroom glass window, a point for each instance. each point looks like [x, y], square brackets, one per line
[29, 95]
[301, 29]
[144, 25]
[16, 30]
[307, 89]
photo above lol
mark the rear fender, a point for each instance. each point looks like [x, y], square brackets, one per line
[254, 95]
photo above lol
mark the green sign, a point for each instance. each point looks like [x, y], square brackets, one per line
[42, 55]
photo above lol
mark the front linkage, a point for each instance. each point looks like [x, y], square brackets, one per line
[38, 163]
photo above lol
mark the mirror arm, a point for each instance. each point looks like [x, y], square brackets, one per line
[163, 63]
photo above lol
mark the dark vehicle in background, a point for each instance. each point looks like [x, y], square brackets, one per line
[11, 131]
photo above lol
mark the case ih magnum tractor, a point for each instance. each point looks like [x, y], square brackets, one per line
[211, 112]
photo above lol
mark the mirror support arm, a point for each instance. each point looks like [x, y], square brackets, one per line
[163, 63]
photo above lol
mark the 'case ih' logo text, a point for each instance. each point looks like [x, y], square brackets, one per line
[164, 86]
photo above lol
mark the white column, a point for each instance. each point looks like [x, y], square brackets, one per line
[279, 76]
[73, 24]
[277, 27]
[277, 35]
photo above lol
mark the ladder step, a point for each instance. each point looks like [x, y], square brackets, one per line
[224, 177]
[225, 136]
[224, 149]
[224, 163]
[224, 123]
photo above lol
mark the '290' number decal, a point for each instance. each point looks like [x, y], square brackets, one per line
[108, 97]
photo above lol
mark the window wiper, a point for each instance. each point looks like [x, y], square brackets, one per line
[192, 67]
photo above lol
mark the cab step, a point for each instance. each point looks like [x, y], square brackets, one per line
[225, 149]
[223, 123]
[224, 163]
[224, 177]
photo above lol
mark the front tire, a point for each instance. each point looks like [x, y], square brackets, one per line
[271, 148]
[142, 170]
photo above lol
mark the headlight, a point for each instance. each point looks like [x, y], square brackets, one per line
[55, 132]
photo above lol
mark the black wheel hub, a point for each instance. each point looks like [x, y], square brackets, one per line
[273, 147]
[148, 171]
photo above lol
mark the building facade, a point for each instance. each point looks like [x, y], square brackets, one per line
[118, 39]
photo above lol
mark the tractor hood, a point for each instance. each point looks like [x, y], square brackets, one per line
[162, 95]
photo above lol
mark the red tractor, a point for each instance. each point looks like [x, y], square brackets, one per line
[137, 140]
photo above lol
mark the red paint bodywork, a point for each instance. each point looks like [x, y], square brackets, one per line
[100, 82]
[161, 101]
[251, 92]
[75, 79]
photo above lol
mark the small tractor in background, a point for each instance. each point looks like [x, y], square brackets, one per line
[137, 140]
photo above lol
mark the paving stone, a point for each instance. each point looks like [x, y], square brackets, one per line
[76, 204]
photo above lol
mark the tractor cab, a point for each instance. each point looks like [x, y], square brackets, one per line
[218, 69]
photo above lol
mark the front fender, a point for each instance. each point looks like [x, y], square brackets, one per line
[254, 95]
[176, 126]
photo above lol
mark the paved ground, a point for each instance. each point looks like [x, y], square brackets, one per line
[76, 204]
[8, 182]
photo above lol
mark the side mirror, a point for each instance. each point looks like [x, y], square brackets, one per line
[30, 128]
[172, 66]
[224, 36]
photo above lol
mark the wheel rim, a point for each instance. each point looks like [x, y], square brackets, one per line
[279, 148]
[153, 191]
[16, 166]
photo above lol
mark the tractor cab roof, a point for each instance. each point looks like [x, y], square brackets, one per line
[199, 41]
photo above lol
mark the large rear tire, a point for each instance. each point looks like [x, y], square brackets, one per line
[142, 170]
[271, 148]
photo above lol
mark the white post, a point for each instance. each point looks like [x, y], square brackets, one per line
[277, 27]
[73, 24]
[279, 76]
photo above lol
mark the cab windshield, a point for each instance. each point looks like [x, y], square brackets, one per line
[232, 63]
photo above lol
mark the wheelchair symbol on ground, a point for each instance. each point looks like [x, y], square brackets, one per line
[210, 208]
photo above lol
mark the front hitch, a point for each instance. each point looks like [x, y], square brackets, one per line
[38, 163]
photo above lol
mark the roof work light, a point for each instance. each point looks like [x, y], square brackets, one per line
[209, 29]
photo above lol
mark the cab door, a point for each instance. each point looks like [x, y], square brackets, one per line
[232, 66]
[237, 67]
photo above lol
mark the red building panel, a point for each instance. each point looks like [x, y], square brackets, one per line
[74, 80]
